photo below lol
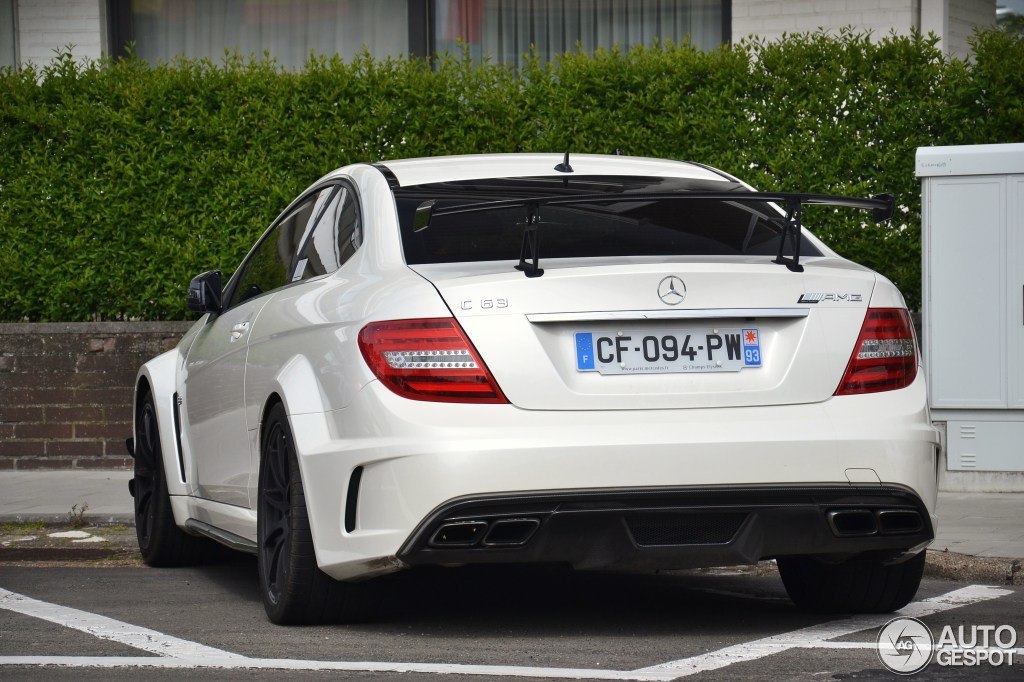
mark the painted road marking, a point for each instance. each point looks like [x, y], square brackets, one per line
[182, 654]
[107, 628]
[346, 666]
[935, 647]
[812, 636]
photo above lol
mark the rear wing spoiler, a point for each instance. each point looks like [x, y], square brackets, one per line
[881, 206]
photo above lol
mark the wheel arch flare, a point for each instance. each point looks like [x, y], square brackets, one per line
[158, 377]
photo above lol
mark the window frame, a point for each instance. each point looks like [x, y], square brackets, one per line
[15, 44]
[342, 185]
[336, 185]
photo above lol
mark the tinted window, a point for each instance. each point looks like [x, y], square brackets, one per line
[270, 264]
[336, 237]
[641, 227]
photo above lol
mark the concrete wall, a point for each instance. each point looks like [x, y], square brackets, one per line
[66, 390]
[954, 21]
[771, 18]
[45, 26]
[964, 17]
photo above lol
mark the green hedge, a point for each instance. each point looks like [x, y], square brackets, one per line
[118, 182]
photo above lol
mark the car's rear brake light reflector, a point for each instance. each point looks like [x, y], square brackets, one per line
[885, 355]
[428, 359]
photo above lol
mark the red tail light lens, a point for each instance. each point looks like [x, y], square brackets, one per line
[430, 359]
[885, 357]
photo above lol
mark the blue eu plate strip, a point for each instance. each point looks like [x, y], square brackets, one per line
[584, 351]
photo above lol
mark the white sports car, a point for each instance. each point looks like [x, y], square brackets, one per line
[600, 361]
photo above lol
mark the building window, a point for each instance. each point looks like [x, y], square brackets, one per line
[504, 30]
[287, 31]
[8, 56]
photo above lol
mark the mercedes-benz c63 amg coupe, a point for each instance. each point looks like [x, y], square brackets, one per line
[598, 361]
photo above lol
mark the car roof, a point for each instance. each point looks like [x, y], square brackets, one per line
[480, 166]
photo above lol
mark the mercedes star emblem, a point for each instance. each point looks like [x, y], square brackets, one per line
[671, 290]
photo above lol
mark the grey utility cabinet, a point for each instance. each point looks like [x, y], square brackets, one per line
[973, 295]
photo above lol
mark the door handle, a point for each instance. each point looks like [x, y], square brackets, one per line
[238, 330]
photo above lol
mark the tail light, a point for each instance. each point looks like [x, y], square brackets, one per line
[885, 357]
[429, 359]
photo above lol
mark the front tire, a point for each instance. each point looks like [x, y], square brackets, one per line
[294, 589]
[161, 542]
[853, 586]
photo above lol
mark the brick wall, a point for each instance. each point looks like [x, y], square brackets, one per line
[48, 25]
[66, 390]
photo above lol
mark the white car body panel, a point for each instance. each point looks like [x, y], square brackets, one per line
[563, 430]
[799, 350]
[432, 455]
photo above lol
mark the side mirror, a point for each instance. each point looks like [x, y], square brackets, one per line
[204, 292]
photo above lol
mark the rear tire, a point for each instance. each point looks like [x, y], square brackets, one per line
[854, 586]
[294, 589]
[161, 542]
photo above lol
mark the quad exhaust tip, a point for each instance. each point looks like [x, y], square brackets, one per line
[865, 522]
[498, 533]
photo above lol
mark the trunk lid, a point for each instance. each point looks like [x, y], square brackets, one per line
[526, 329]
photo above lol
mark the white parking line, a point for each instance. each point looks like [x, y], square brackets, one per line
[174, 653]
[108, 628]
[935, 647]
[811, 637]
[346, 666]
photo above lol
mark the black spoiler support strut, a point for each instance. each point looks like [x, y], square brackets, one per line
[881, 206]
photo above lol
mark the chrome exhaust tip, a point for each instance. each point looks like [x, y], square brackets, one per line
[511, 532]
[459, 534]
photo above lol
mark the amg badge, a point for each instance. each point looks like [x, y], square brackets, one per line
[818, 298]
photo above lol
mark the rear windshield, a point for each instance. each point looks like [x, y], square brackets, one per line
[660, 227]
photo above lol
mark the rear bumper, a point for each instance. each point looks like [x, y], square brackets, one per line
[419, 461]
[673, 528]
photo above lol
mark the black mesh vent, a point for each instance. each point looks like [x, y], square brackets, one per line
[684, 529]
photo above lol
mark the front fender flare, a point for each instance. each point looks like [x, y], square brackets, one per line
[160, 376]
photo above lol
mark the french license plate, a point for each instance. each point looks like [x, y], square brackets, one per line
[633, 351]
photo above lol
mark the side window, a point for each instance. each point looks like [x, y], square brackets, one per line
[270, 265]
[336, 237]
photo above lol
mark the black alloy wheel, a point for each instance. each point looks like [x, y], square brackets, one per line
[275, 511]
[147, 459]
[161, 542]
[293, 587]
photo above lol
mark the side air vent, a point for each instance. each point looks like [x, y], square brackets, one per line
[177, 437]
[352, 499]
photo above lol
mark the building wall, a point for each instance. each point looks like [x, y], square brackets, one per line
[964, 17]
[769, 19]
[66, 390]
[47, 26]
[954, 21]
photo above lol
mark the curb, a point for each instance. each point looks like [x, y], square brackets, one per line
[62, 519]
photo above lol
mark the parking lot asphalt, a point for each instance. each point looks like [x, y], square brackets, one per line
[84, 606]
[491, 622]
